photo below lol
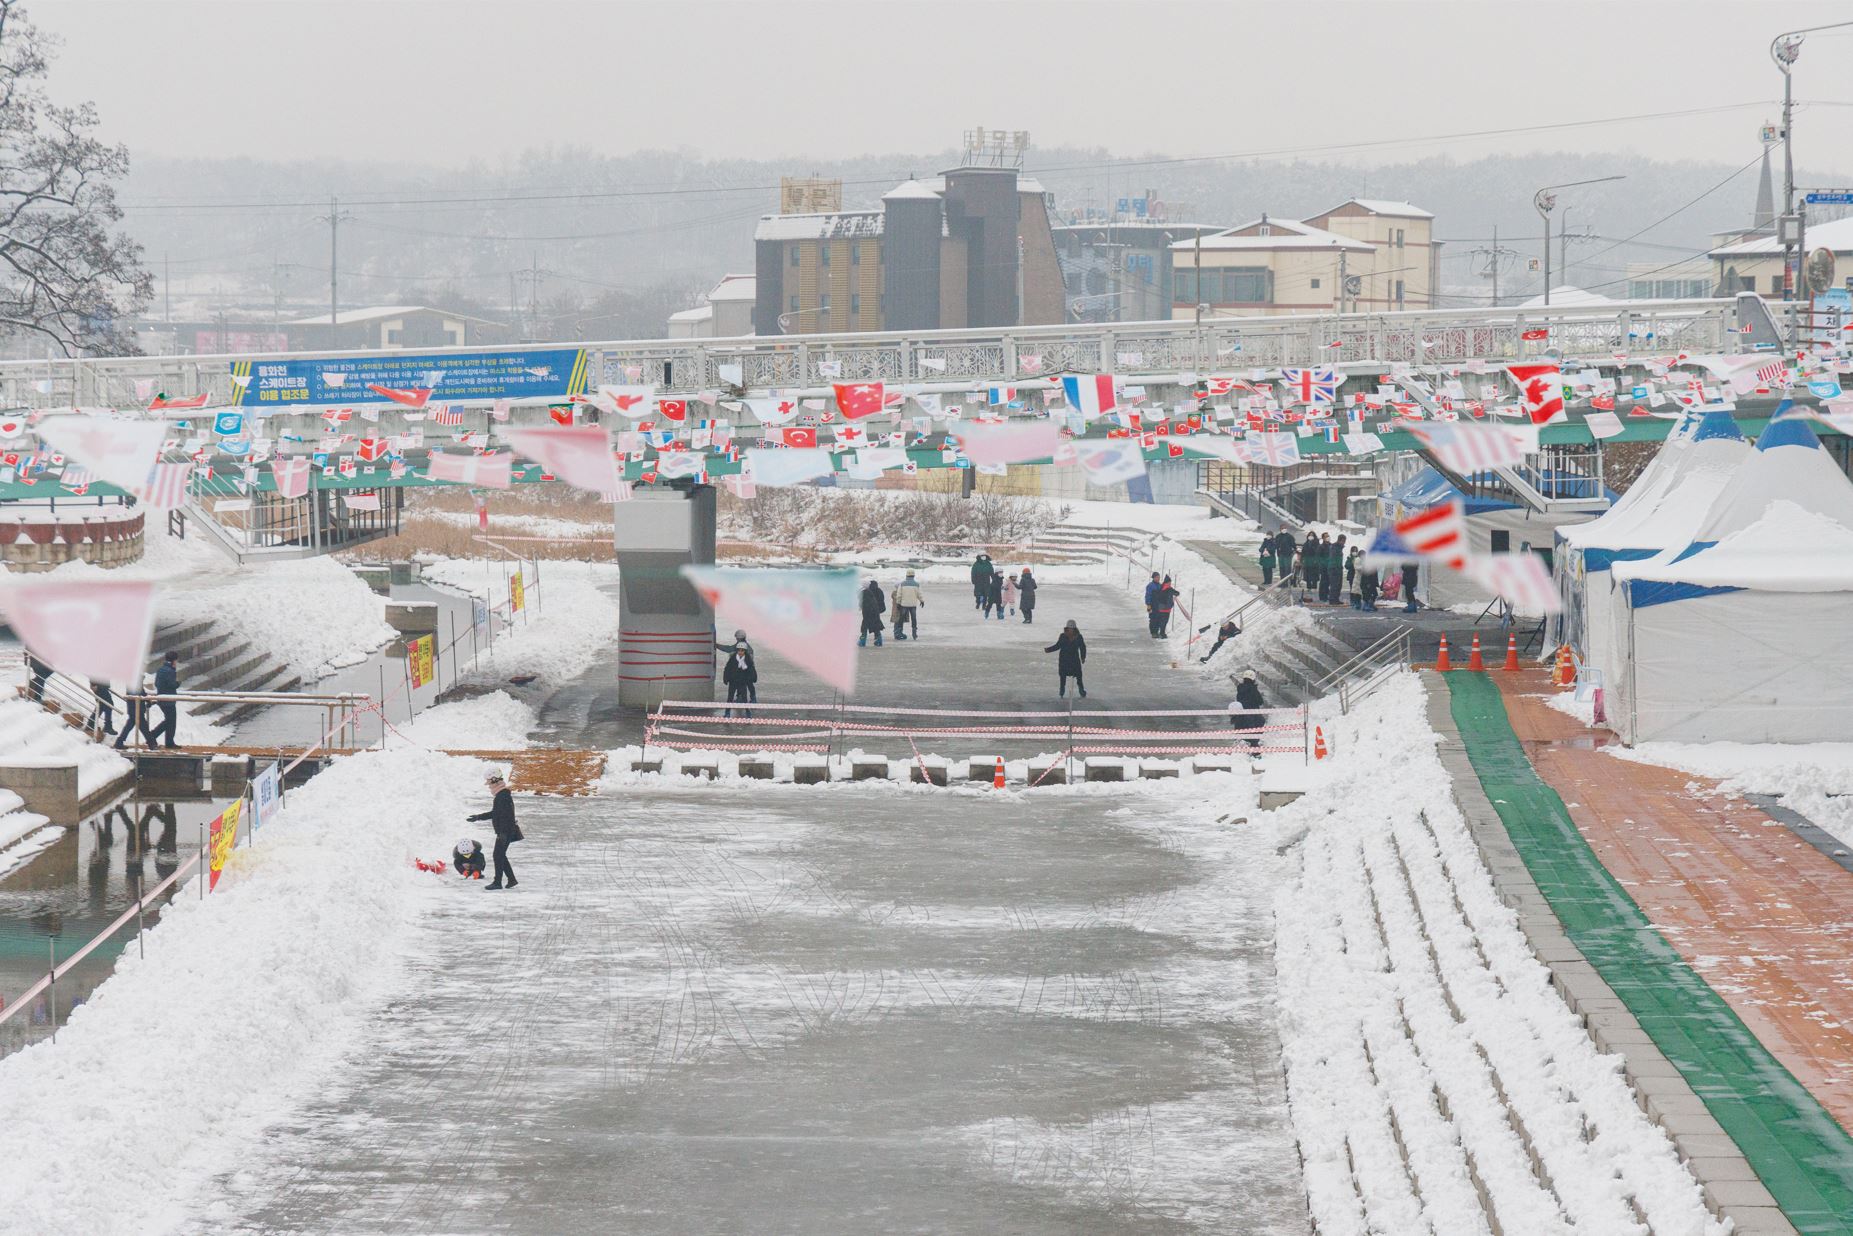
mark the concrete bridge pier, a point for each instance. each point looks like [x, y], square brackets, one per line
[666, 629]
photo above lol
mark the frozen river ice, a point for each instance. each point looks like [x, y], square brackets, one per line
[821, 1010]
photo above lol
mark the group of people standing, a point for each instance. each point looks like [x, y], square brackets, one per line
[999, 594]
[1160, 603]
[1329, 570]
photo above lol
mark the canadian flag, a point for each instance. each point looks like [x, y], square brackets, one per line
[371, 449]
[859, 399]
[413, 398]
[1542, 390]
[673, 409]
[631, 401]
[798, 436]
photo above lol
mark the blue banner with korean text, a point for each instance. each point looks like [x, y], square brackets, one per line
[451, 377]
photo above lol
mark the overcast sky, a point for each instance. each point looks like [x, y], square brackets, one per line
[449, 81]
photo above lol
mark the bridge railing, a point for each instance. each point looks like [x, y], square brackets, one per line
[1133, 348]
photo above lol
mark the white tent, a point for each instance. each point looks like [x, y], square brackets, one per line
[1734, 636]
[1661, 510]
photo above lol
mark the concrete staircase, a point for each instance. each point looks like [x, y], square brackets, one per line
[215, 658]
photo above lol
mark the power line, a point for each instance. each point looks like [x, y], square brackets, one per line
[1107, 164]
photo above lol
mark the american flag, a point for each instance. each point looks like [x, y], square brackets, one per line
[1519, 578]
[1775, 371]
[1468, 448]
[168, 488]
[1311, 386]
[1438, 532]
[447, 416]
[1276, 450]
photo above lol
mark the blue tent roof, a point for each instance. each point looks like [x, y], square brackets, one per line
[1429, 488]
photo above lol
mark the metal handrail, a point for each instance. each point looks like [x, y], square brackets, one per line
[1350, 691]
[1399, 632]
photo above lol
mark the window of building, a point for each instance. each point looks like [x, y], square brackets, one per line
[823, 304]
[1746, 283]
[1775, 285]
[1399, 291]
[855, 255]
[794, 304]
[1186, 291]
[393, 336]
[1399, 238]
[1246, 287]
[794, 255]
[855, 303]
[1264, 230]
[823, 256]
[1315, 285]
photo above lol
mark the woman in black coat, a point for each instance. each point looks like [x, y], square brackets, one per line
[1248, 696]
[740, 675]
[501, 817]
[1026, 594]
[1072, 655]
[874, 605]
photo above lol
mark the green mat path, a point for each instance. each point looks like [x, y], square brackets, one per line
[1803, 1156]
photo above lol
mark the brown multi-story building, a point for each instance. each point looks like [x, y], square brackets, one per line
[972, 247]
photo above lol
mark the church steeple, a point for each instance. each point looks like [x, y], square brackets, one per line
[1765, 199]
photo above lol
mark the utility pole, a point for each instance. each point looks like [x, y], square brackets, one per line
[533, 274]
[1495, 257]
[1197, 279]
[167, 291]
[1341, 281]
[333, 219]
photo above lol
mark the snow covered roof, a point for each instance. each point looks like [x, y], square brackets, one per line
[913, 191]
[735, 287]
[1565, 295]
[374, 314]
[1029, 184]
[1675, 496]
[1379, 206]
[1282, 234]
[1837, 235]
[1789, 549]
[835, 225]
[1789, 468]
[701, 314]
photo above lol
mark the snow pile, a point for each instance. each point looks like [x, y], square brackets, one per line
[1191, 523]
[494, 722]
[571, 617]
[22, 833]
[313, 614]
[523, 525]
[27, 731]
[1814, 778]
[1404, 979]
[245, 1001]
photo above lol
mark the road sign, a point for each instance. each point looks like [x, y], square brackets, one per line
[1830, 197]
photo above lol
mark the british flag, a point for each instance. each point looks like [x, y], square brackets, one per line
[1311, 386]
[1276, 450]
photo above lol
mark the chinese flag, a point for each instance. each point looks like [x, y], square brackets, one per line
[858, 399]
[673, 409]
[795, 436]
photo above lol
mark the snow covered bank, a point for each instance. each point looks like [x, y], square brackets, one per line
[1190, 523]
[313, 613]
[27, 731]
[572, 615]
[22, 833]
[493, 722]
[1416, 1022]
[244, 1001]
[1814, 778]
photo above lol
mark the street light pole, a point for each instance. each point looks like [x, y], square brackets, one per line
[1544, 201]
[1792, 228]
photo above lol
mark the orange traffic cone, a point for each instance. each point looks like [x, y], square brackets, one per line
[1318, 742]
[1442, 665]
[1473, 657]
[1512, 652]
[1561, 674]
[997, 777]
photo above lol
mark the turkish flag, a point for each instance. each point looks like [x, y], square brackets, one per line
[371, 448]
[1543, 391]
[856, 400]
[413, 398]
[795, 436]
[561, 415]
[673, 409]
[1536, 332]
[1603, 403]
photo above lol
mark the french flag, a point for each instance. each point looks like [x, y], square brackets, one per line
[996, 396]
[1089, 394]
